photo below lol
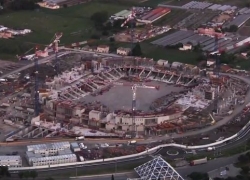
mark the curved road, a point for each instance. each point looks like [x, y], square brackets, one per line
[211, 165]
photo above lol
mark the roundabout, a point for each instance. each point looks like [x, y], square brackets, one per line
[172, 153]
[158, 112]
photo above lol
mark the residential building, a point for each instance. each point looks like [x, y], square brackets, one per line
[123, 51]
[11, 161]
[103, 49]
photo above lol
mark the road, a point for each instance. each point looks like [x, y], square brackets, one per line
[183, 171]
[40, 61]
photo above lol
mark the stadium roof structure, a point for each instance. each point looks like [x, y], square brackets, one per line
[156, 169]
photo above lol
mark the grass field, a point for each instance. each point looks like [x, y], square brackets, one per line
[155, 52]
[73, 21]
[172, 55]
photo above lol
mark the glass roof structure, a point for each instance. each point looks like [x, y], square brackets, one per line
[157, 169]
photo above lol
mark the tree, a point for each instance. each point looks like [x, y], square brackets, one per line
[112, 39]
[243, 159]
[20, 175]
[233, 28]
[198, 176]
[105, 33]
[136, 51]
[4, 171]
[26, 174]
[95, 36]
[112, 177]
[100, 17]
[245, 170]
[33, 174]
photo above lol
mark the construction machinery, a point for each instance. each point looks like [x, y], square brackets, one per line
[131, 19]
[54, 44]
[134, 88]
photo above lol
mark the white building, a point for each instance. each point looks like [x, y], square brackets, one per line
[123, 51]
[48, 149]
[103, 49]
[186, 47]
[124, 122]
[11, 161]
[97, 115]
[162, 62]
[43, 161]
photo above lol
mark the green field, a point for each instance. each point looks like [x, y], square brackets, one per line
[172, 55]
[74, 22]
[155, 52]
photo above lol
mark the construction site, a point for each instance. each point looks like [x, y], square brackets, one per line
[105, 97]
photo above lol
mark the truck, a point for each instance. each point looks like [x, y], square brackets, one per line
[198, 161]
[132, 142]
[80, 138]
[230, 112]
[81, 158]
[210, 148]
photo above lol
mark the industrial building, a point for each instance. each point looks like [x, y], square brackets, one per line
[55, 4]
[206, 39]
[121, 15]
[11, 161]
[48, 154]
[42, 161]
[48, 149]
[239, 20]
[154, 15]
[75, 147]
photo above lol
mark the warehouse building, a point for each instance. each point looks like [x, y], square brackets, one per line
[11, 161]
[48, 149]
[34, 160]
[121, 15]
[75, 147]
[55, 4]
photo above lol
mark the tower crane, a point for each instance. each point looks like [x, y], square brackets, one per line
[131, 19]
[134, 88]
[54, 44]
[37, 105]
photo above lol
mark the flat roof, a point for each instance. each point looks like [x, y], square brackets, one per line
[121, 13]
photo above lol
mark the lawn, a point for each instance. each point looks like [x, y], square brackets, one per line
[172, 55]
[73, 21]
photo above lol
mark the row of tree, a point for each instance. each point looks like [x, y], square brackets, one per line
[205, 176]
[16, 5]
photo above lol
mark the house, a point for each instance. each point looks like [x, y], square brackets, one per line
[103, 49]
[123, 51]
[186, 47]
